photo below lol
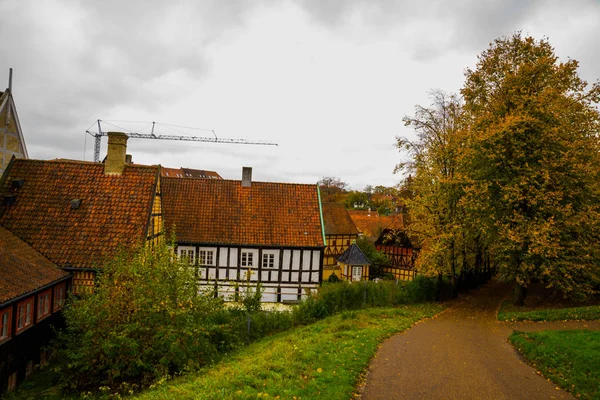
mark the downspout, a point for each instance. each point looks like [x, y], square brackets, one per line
[321, 215]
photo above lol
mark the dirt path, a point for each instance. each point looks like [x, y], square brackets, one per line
[462, 354]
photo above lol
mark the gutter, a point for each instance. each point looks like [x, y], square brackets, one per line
[31, 292]
[321, 215]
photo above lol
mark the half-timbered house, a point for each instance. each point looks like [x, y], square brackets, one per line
[340, 233]
[395, 243]
[79, 214]
[354, 265]
[243, 231]
[32, 292]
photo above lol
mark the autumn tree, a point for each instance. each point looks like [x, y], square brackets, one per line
[332, 188]
[434, 184]
[533, 164]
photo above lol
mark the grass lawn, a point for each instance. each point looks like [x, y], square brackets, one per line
[324, 360]
[571, 359]
[508, 312]
[543, 304]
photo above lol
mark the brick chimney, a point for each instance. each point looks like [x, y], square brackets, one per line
[246, 176]
[117, 148]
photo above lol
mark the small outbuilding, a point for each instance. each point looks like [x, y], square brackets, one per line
[354, 264]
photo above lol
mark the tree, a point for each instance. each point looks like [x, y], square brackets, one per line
[533, 164]
[332, 188]
[434, 182]
[144, 321]
[378, 260]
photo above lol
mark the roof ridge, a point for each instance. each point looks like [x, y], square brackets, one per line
[191, 178]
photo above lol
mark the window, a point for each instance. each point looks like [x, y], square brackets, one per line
[43, 304]
[247, 259]
[268, 261]
[5, 319]
[24, 314]
[60, 296]
[187, 253]
[206, 256]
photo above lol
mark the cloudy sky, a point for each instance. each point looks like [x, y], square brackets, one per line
[328, 80]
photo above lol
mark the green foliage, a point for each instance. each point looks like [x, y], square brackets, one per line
[438, 218]
[533, 163]
[145, 320]
[331, 299]
[377, 258]
[571, 359]
[319, 361]
[510, 313]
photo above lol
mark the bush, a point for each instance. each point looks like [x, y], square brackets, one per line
[333, 298]
[145, 320]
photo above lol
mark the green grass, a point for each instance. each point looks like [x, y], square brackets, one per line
[571, 359]
[508, 312]
[324, 360]
[41, 385]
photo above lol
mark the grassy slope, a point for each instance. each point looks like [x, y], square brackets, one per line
[571, 359]
[508, 312]
[322, 360]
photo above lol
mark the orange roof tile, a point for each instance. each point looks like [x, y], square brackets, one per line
[337, 220]
[22, 269]
[214, 211]
[369, 223]
[114, 210]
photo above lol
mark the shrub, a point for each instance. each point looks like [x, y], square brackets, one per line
[333, 298]
[145, 320]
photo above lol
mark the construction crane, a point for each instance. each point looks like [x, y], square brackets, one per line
[98, 135]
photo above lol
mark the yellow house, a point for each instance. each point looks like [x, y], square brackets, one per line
[354, 264]
[340, 233]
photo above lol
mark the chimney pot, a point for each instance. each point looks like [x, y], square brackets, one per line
[116, 157]
[246, 176]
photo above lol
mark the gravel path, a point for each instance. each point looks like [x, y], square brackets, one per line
[463, 353]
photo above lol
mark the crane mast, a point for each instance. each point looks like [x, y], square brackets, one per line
[98, 135]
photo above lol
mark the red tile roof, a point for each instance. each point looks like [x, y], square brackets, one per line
[337, 220]
[369, 223]
[214, 211]
[22, 269]
[114, 210]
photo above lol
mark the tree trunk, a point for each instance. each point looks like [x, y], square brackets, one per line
[453, 291]
[440, 281]
[519, 294]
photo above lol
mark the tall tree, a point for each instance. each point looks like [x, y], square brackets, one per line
[332, 188]
[533, 163]
[434, 206]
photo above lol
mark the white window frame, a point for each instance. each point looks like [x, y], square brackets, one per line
[213, 256]
[270, 253]
[244, 262]
[187, 249]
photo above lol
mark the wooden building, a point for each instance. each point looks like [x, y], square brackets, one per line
[263, 232]
[12, 143]
[395, 243]
[354, 264]
[79, 214]
[340, 233]
[32, 292]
